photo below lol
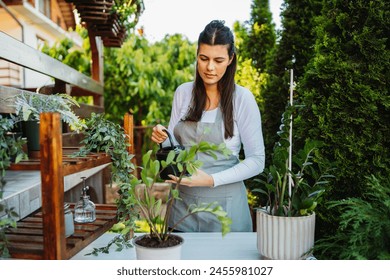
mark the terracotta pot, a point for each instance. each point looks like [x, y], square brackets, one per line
[167, 253]
[284, 238]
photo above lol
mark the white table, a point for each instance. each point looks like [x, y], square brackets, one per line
[197, 246]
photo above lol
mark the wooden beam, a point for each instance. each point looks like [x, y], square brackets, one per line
[52, 185]
[7, 100]
[97, 63]
[21, 54]
[85, 111]
[129, 130]
[128, 126]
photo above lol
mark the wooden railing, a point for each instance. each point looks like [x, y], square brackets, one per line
[66, 79]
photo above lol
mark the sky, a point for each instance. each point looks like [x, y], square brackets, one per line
[189, 17]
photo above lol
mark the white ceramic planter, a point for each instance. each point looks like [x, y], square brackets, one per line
[169, 253]
[284, 238]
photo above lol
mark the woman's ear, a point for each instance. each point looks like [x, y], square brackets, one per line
[231, 59]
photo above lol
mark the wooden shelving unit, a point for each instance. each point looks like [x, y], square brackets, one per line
[70, 163]
[41, 235]
[26, 241]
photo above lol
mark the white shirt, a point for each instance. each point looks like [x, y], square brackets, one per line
[247, 131]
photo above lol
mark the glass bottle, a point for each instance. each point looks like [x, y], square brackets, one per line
[85, 210]
[69, 226]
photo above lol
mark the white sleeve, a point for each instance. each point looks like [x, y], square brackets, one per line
[176, 109]
[180, 103]
[248, 120]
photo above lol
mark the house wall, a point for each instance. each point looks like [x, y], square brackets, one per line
[35, 29]
[10, 74]
[56, 15]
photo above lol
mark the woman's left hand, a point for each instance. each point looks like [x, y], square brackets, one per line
[198, 179]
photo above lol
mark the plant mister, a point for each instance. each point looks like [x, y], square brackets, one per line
[85, 209]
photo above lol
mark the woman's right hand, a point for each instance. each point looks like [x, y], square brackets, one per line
[158, 135]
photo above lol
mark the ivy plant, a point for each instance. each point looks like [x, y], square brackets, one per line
[11, 150]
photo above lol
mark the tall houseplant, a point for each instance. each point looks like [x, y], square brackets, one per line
[293, 187]
[152, 208]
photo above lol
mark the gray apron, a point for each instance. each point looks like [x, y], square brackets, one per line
[232, 197]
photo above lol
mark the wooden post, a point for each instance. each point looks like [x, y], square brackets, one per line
[97, 63]
[52, 185]
[129, 130]
[128, 126]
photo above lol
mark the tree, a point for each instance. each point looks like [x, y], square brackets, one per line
[347, 103]
[142, 77]
[345, 90]
[64, 50]
[293, 51]
[258, 35]
[247, 75]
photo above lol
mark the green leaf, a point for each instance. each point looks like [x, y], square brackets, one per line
[170, 157]
[175, 193]
[260, 191]
[155, 167]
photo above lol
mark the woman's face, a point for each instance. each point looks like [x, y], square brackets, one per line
[212, 63]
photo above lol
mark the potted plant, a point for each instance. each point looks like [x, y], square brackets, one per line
[103, 135]
[11, 150]
[137, 195]
[28, 107]
[293, 188]
[156, 210]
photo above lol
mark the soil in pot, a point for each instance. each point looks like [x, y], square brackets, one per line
[153, 242]
[148, 248]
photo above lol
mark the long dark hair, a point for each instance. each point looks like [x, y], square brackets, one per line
[216, 33]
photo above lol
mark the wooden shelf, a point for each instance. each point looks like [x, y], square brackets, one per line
[70, 164]
[26, 241]
[41, 235]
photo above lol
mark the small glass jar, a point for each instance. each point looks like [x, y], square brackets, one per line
[85, 209]
[69, 226]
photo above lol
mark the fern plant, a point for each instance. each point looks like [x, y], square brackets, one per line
[364, 225]
[28, 107]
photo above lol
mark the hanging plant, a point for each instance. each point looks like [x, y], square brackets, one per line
[11, 151]
[128, 12]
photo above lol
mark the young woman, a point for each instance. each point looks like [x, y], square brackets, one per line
[215, 109]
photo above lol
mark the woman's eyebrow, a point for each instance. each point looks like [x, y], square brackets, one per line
[218, 57]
